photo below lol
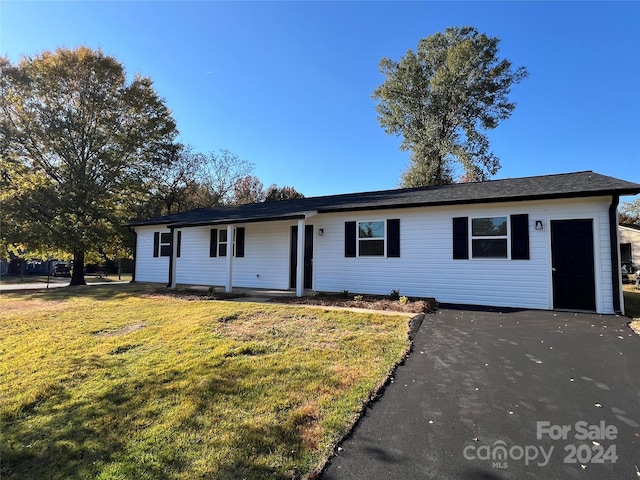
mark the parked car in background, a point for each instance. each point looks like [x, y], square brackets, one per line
[62, 270]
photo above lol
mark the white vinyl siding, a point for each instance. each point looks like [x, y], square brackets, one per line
[265, 263]
[631, 237]
[427, 268]
[148, 267]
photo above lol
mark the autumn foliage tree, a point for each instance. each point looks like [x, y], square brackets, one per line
[248, 189]
[78, 145]
[194, 180]
[629, 212]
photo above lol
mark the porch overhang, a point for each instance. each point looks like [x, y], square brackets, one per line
[247, 219]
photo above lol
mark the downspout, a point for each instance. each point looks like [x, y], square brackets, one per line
[135, 251]
[616, 279]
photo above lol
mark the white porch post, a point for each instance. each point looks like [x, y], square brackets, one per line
[229, 286]
[174, 256]
[300, 259]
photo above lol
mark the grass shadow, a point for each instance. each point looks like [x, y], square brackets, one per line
[95, 292]
[84, 438]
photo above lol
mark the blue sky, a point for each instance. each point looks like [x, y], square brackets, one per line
[287, 85]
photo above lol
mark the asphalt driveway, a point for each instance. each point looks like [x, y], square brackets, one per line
[505, 395]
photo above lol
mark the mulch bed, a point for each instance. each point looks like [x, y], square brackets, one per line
[370, 302]
[193, 294]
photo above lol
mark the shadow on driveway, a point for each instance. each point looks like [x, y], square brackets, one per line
[473, 395]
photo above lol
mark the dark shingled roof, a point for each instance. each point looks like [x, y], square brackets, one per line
[568, 185]
[631, 225]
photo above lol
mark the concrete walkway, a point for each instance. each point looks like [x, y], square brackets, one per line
[512, 395]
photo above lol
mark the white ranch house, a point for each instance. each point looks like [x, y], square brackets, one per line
[547, 242]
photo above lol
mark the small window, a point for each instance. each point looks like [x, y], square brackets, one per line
[489, 237]
[237, 242]
[222, 243]
[165, 244]
[371, 238]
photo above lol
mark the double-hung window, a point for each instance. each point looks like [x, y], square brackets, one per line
[489, 236]
[161, 244]
[220, 244]
[371, 238]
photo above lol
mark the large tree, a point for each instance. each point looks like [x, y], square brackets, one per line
[630, 212]
[275, 193]
[194, 180]
[78, 144]
[441, 99]
[172, 183]
[248, 189]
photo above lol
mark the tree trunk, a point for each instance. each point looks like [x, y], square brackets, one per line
[77, 276]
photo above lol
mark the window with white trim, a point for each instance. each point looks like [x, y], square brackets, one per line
[222, 242]
[219, 242]
[489, 237]
[371, 238]
[162, 244]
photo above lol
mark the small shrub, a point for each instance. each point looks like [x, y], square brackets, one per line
[345, 294]
[394, 295]
[358, 298]
[403, 300]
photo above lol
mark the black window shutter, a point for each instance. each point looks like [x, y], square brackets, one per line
[520, 237]
[156, 243]
[213, 243]
[179, 244]
[240, 242]
[460, 238]
[393, 237]
[349, 239]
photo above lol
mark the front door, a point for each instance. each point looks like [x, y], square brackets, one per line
[308, 257]
[573, 264]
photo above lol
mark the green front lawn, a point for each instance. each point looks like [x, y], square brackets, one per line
[116, 382]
